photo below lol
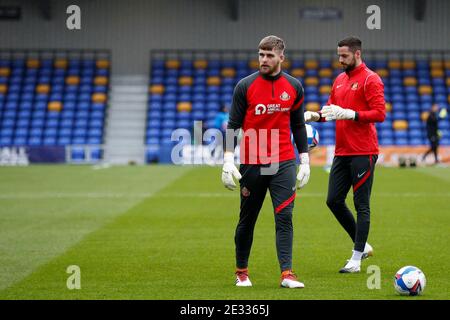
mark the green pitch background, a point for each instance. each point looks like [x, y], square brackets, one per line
[164, 232]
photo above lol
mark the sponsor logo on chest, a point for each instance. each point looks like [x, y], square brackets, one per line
[270, 108]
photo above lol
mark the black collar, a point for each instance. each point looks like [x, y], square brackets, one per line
[269, 77]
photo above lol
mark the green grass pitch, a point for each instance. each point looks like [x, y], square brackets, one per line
[165, 232]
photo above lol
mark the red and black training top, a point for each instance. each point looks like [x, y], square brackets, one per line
[267, 108]
[362, 91]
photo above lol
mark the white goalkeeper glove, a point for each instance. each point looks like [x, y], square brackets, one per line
[229, 171]
[333, 112]
[303, 170]
[311, 116]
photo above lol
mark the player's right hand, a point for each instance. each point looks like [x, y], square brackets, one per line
[311, 116]
[229, 171]
[303, 171]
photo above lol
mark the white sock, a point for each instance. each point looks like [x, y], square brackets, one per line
[357, 255]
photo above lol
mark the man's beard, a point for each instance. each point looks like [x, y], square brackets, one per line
[350, 67]
[268, 69]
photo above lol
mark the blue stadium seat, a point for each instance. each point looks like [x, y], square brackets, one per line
[95, 140]
[23, 123]
[426, 99]
[152, 151]
[64, 140]
[415, 124]
[415, 134]
[66, 123]
[65, 132]
[401, 141]
[37, 123]
[96, 153]
[79, 140]
[415, 141]
[34, 141]
[78, 154]
[19, 141]
[49, 141]
[21, 132]
[51, 123]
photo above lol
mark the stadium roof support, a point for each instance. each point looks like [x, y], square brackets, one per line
[233, 6]
[419, 9]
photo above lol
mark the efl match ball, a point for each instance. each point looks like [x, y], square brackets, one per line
[409, 281]
[313, 136]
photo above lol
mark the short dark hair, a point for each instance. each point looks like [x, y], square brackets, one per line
[271, 42]
[353, 43]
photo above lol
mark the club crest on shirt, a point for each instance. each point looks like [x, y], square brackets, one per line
[245, 192]
[355, 86]
[285, 96]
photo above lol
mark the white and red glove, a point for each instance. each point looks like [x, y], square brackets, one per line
[334, 112]
[229, 171]
[303, 170]
[311, 116]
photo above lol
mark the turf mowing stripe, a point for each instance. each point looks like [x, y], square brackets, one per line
[170, 247]
[38, 225]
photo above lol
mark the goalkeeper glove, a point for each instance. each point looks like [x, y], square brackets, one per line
[303, 170]
[229, 171]
[333, 112]
[311, 116]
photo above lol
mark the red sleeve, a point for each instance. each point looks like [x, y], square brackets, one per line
[374, 94]
[331, 97]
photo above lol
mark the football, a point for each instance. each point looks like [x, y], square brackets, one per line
[409, 281]
[313, 136]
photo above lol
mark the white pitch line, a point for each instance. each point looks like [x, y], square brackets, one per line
[300, 194]
[130, 195]
[70, 195]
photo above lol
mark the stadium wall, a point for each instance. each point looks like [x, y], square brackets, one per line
[132, 28]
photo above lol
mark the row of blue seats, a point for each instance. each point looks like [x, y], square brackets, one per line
[8, 121]
[312, 95]
[228, 89]
[79, 154]
[70, 105]
[58, 89]
[51, 132]
[54, 80]
[392, 77]
[80, 112]
[46, 62]
[202, 81]
[155, 143]
[68, 97]
[438, 98]
[438, 89]
[51, 141]
[85, 77]
[48, 71]
[421, 64]
[239, 74]
[321, 99]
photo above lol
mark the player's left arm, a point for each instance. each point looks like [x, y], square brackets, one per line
[298, 129]
[374, 94]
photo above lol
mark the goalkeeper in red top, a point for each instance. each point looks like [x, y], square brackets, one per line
[267, 105]
[356, 102]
